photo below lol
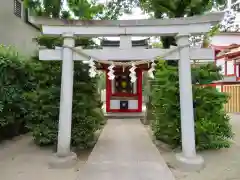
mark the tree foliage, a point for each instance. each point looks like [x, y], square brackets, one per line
[87, 116]
[50, 8]
[43, 104]
[79, 9]
[15, 80]
[212, 126]
[178, 8]
[30, 96]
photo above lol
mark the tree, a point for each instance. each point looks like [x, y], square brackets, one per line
[212, 126]
[50, 8]
[78, 9]
[15, 80]
[178, 8]
[43, 102]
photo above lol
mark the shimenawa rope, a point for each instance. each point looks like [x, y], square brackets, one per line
[124, 64]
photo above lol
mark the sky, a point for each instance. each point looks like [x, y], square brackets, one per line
[136, 14]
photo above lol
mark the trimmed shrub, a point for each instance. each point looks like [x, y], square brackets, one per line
[30, 97]
[212, 126]
[14, 82]
[87, 116]
[44, 104]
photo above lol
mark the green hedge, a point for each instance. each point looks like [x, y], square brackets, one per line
[212, 126]
[43, 104]
[14, 82]
[87, 116]
[30, 96]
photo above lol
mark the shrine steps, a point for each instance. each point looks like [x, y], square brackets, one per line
[125, 115]
[130, 115]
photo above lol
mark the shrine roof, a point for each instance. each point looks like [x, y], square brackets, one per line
[221, 48]
[232, 51]
[116, 43]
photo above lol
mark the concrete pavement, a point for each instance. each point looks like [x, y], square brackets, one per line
[125, 151]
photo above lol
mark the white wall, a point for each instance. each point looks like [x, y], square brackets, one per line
[132, 104]
[237, 71]
[230, 67]
[221, 63]
[225, 39]
[14, 31]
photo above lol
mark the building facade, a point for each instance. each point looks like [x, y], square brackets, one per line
[227, 51]
[16, 29]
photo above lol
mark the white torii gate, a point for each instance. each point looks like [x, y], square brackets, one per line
[182, 28]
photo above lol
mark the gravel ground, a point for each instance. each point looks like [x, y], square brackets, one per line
[20, 159]
[220, 165]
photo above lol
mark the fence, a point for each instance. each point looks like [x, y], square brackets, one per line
[233, 104]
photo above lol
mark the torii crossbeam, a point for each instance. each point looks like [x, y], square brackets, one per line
[126, 54]
[144, 27]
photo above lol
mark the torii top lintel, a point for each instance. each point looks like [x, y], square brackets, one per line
[143, 27]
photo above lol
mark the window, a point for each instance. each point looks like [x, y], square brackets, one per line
[18, 8]
[238, 70]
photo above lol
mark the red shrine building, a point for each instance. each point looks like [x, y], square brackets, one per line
[227, 56]
[123, 96]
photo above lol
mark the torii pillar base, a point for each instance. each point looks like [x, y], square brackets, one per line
[189, 164]
[63, 162]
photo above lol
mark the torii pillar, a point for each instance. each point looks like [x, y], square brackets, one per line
[64, 158]
[188, 158]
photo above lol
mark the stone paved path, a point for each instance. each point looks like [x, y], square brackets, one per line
[125, 151]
